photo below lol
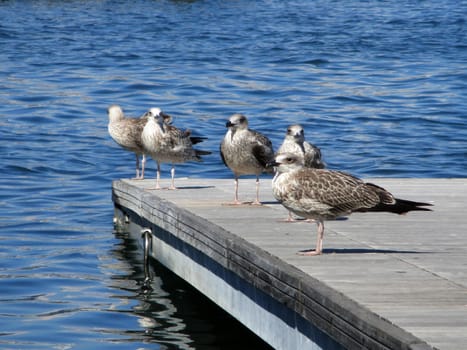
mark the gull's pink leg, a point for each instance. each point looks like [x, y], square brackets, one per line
[236, 201]
[257, 202]
[137, 167]
[172, 173]
[143, 166]
[158, 176]
[319, 242]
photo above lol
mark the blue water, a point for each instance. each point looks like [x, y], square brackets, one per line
[380, 87]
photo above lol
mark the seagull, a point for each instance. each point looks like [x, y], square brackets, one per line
[245, 152]
[167, 144]
[322, 194]
[126, 132]
[294, 142]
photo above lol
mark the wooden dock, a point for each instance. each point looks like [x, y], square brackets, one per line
[384, 282]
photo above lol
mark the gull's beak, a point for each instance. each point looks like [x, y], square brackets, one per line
[272, 163]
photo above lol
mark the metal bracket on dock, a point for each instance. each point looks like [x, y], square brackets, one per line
[146, 234]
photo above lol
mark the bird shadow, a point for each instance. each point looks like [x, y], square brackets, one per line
[178, 188]
[269, 202]
[299, 220]
[369, 251]
[193, 187]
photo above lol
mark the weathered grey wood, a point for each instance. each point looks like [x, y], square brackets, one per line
[384, 282]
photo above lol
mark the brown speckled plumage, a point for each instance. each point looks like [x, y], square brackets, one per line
[245, 151]
[321, 194]
[126, 132]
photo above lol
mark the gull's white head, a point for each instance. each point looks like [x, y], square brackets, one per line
[115, 113]
[237, 121]
[295, 132]
[285, 162]
[155, 111]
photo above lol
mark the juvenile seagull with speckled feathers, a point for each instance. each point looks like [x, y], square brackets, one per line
[322, 194]
[294, 142]
[167, 144]
[126, 132]
[245, 152]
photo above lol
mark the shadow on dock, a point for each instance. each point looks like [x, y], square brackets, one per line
[369, 251]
